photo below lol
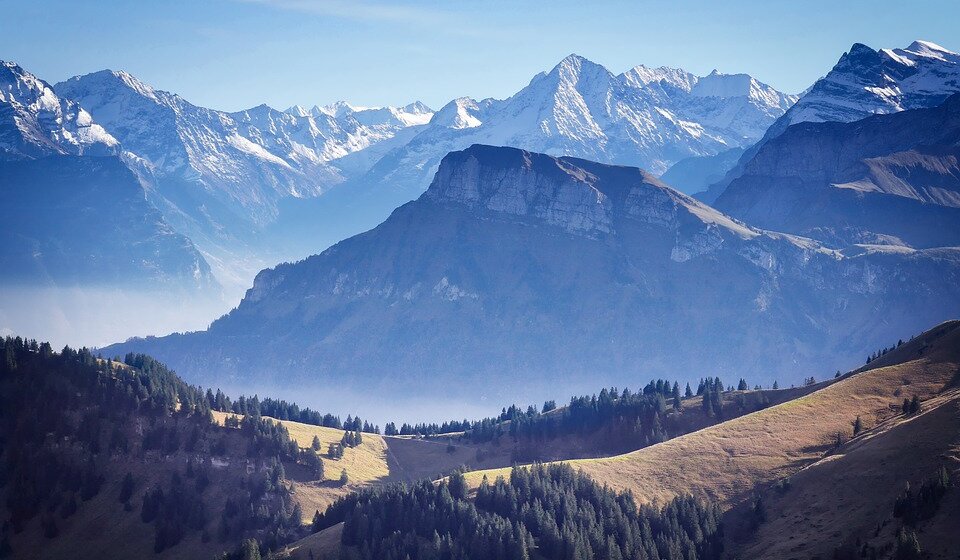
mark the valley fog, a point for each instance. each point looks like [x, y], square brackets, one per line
[96, 317]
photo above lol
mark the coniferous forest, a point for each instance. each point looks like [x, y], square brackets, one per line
[543, 511]
[72, 421]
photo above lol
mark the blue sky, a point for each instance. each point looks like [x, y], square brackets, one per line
[234, 54]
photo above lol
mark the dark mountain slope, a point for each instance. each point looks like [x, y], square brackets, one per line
[84, 221]
[884, 179]
[102, 459]
[526, 275]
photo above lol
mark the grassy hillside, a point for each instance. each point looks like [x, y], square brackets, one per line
[727, 461]
[385, 459]
[377, 460]
[846, 499]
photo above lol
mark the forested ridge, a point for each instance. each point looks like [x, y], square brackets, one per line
[615, 420]
[71, 423]
[542, 511]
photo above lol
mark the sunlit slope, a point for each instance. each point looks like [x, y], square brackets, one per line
[727, 461]
[377, 460]
[845, 497]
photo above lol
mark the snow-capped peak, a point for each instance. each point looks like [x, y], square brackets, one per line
[927, 48]
[298, 111]
[575, 69]
[866, 81]
[336, 110]
[641, 76]
[413, 114]
[38, 122]
[460, 113]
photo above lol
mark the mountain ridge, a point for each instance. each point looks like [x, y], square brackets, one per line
[864, 82]
[477, 277]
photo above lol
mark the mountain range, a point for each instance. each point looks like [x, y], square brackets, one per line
[219, 177]
[73, 213]
[246, 186]
[257, 186]
[563, 269]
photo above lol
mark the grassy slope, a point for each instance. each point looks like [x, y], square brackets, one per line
[378, 460]
[384, 459]
[728, 460]
[851, 492]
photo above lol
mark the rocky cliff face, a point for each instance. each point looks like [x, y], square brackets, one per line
[890, 179]
[518, 275]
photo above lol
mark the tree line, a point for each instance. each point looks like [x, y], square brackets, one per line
[283, 410]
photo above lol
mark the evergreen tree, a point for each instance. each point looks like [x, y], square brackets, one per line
[316, 443]
[857, 426]
[250, 550]
[908, 547]
[126, 488]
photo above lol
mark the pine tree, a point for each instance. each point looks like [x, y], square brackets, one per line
[126, 488]
[250, 550]
[908, 547]
[742, 386]
[316, 443]
[857, 426]
[688, 393]
[343, 477]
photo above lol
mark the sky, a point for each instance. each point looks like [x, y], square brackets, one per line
[236, 54]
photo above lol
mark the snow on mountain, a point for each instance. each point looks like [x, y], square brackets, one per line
[866, 82]
[35, 122]
[247, 159]
[494, 269]
[648, 118]
[642, 76]
[56, 197]
[415, 113]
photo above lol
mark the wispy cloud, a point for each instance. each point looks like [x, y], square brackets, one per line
[364, 11]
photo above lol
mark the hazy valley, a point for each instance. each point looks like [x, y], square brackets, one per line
[641, 314]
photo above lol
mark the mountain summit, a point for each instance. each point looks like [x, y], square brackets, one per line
[647, 118]
[37, 122]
